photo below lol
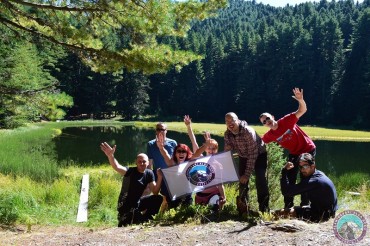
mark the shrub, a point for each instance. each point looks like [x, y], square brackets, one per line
[8, 209]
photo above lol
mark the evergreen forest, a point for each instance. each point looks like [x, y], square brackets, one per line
[248, 59]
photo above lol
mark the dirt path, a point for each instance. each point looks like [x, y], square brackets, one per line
[223, 233]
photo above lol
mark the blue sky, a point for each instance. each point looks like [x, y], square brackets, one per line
[282, 3]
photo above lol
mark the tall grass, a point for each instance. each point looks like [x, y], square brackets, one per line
[28, 201]
[27, 151]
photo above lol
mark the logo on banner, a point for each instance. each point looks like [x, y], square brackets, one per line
[200, 173]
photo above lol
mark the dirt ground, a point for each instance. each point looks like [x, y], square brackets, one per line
[283, 232]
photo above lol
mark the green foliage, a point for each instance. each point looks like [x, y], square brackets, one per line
[9, 213]
[52, 103]
[104, 191]
[27, 88]
[132, 96]
[351, 181]
[61, 191]
[276, 161]
[248, 47]
[180, 214]
[89, 29]
[28, 152]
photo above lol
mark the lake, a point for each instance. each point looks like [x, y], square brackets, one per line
[81, 145]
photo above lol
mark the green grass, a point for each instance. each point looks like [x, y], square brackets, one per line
[35, 189]
[316, 133]
[25, 151]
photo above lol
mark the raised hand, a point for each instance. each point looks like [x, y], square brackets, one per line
[289, 165]
[159, 173]
[107, 149]
[207, 136]
[298, 94]
[160, 140]
[187, 120]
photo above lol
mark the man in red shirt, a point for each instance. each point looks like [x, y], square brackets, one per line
[290, 136]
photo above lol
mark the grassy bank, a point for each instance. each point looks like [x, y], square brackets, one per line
[36, 189]
[316, 133]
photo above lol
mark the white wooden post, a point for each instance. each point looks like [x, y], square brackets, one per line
[84, 197]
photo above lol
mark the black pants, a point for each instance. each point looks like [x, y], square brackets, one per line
[186, 201]
[260, 168]
[306, 213]
[292, 177]
[148, 206]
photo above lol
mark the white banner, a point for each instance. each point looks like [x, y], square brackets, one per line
[198, 174]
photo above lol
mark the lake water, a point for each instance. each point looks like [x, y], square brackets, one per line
[81, 145]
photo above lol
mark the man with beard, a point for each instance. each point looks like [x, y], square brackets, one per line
[244, 140]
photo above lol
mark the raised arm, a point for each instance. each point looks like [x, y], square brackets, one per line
[187, 121]
[160, 144]
[207, 143]
[109, 152]
[302, 107]
[156, 186]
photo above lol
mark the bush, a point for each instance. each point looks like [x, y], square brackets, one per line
[8, 209]
[276, 161]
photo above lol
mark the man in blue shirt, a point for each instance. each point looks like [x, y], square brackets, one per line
[319, 188]
[156, 159]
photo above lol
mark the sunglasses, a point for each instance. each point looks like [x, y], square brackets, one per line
[305, 166]
[265, 120]
[160, 130]
[181, 151]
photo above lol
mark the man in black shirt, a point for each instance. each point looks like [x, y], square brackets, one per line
[132, 207]
[318, 187]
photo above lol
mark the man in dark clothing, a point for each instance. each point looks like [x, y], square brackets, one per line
[133, 208]
[319, 188]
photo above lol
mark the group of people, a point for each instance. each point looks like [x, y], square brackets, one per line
[318, 194]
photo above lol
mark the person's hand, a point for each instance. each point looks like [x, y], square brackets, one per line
[107, 149]
[187, 120]
[207, 136]
[160, 140]
[221, 202]
[243, 179]
[289, 165]
[159, 173]
[298, 94]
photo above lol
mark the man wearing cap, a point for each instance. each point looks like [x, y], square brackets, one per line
[291, 137]
[319, 188]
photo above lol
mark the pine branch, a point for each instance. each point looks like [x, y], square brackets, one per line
[61, 8]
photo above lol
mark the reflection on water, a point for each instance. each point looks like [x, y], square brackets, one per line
[336, 158]
[81, 145]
